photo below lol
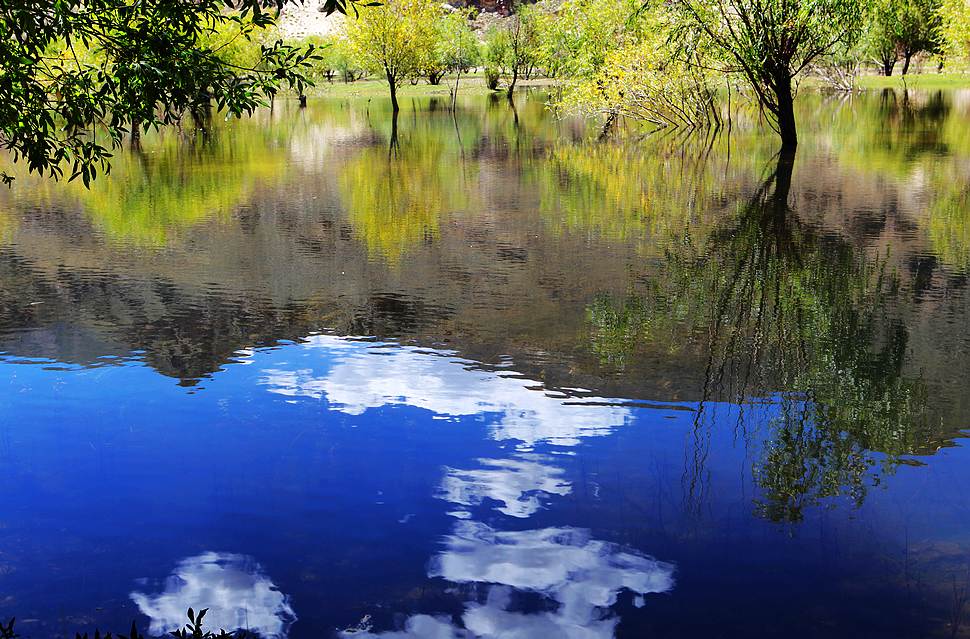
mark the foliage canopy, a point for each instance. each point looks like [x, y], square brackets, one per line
[395, 39]
[80, 75]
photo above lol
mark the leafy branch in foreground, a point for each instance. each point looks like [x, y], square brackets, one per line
[78, 75]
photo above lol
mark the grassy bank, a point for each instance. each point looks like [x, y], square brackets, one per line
[473, 84]
[917, 81]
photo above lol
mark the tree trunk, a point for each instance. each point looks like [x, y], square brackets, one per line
[201, 113]
[454, 95]
[135, 134]
[786, 114]
[515, 77]
[392, 146]
[906, 58]
[608, 126]
[302, 101]
[887, 67]
[392, 83]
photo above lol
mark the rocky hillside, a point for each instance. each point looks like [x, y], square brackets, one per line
[301, 20]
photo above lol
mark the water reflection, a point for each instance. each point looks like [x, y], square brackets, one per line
[408, 194]
[578, 577]
[583, 576]
[157, 195]
[781, 338]
[359, 376]
[799, 315]
[234, 588]
[518, 484]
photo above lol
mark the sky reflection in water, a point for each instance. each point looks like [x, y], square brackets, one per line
[448, 386]
[579, 577]
[232, 587]
[770, 443]
[512, 578]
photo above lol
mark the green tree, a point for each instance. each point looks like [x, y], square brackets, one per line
[457, 45]
[882, 37]
[955, 28]
[903, 29]
[344, 59]
[452, 46]
[642, 76]
[617, 59]
[329, 55]
[78, 76]
[512, 48]
[574, 41]
[494, 54]
[394, 39]
[522, 36]
[769, 42]
[919, 29]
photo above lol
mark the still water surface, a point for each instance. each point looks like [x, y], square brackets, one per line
[495, 378]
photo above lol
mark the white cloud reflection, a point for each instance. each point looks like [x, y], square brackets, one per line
[504, 573]
[582, 574]
[580, 577]
[233, 588]
[515, 483]
[362, 377]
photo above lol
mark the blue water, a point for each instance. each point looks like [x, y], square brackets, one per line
[512, 383]
[339, 483]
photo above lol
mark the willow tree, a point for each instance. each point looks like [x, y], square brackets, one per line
[641, 77]
[394, 39]
[522, 35]
[458, 45]
[770, 42]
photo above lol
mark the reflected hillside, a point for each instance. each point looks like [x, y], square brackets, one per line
[918, 139]
[507, 234]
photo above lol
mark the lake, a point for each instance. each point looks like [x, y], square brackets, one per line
[485, 374]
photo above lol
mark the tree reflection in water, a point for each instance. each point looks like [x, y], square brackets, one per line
[800, 319]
